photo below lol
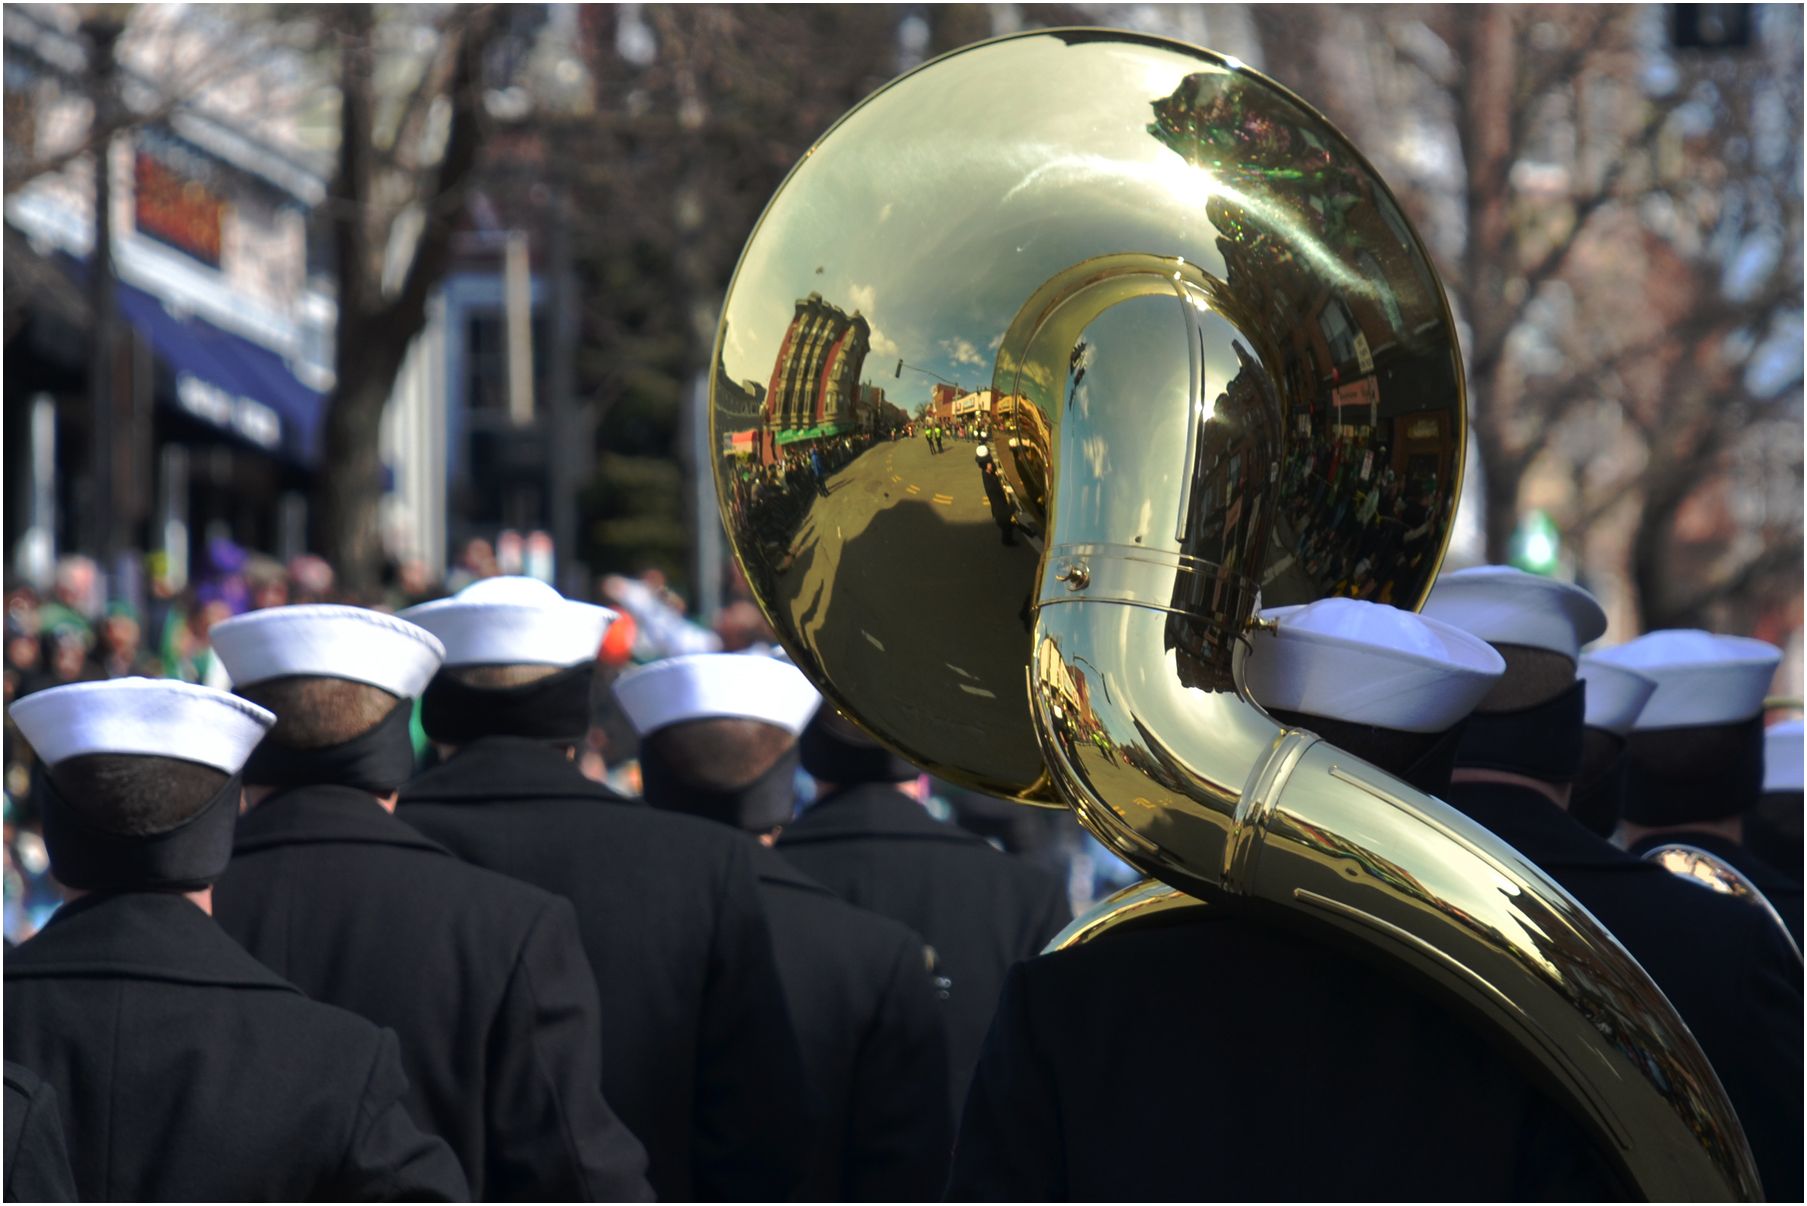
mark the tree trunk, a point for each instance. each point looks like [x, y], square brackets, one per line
[374, 329]
[1670, 482]
[1501, 477]
[348, 494]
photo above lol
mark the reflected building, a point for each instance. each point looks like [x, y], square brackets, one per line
[876, 413]
[1225, 528]
[814, 389]
[739, 405]
[941, 400]
[1019, 425]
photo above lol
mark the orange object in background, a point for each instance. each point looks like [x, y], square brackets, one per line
[618, 642]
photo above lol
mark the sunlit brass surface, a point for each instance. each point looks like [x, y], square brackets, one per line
[1129, 906]
[1209, 336]
[1715, 874]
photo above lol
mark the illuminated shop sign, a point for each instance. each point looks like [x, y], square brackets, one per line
[174, 200]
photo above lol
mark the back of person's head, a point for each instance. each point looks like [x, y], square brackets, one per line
[500, 678]
[836, 751]
[718, 734]
[1697, 750]
[719, 754]
[519, 661]
[1615, 697]
[135, 795]
[1391, 687]
[1530, 725]
[1532, 677]
[314, 713]
[139, 792]
[1601, 751]
[339, 680]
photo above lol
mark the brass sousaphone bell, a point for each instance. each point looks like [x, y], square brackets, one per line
[1214, 369]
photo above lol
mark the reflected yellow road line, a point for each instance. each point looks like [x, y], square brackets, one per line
[913, 489]
[946, 500]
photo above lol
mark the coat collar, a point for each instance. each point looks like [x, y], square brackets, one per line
[773, 868]
[499, 769]
[325, 814]
[1534, 826]
[139, 936]
[871, 810]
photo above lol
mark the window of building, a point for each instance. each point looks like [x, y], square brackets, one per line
[1339, 331]
[486, 361]
[1389, 300]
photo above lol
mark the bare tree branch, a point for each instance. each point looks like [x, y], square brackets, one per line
[188, 83]
[1781, 556]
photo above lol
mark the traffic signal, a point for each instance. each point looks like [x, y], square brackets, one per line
[1536, 547]
[1710, 26]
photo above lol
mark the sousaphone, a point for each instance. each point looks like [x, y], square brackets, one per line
[1214, 368]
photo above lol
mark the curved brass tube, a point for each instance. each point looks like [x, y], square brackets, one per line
[1126, 906]
[1713, 873]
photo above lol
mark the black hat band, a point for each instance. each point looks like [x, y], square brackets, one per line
[186, 858]
[378, 760]
[554, 708]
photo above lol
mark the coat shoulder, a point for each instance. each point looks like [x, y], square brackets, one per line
[854, 933]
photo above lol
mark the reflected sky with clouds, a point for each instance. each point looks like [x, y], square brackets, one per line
[1059, 165]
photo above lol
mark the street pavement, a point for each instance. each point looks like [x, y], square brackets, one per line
[901, 585]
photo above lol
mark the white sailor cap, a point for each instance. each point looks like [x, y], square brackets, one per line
[703, 686]
[156, 716]
[1507, 606]
[1702, 678]
[1368, 663]
[326, 640]
[1615, 695]
[513, 621]
[1782, 756]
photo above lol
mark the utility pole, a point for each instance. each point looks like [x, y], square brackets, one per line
[564, 447]
[102, 31]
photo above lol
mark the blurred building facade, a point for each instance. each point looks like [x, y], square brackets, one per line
[226, 317]
[224, 320]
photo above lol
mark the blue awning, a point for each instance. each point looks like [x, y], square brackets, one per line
[228, 381]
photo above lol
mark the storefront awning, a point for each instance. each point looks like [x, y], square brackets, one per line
[228, 381]
[810, 433]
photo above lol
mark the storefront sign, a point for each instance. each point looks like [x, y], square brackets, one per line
[1426, 428]
[1363, 357]
[172, 200]
[246, 416]
[1363, 391]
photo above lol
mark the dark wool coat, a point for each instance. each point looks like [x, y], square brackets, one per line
[873, 1041]
[37, 1161]
[482, 978]
[186, 1070]
[1724, 965]
[979, 910]
[1212, 1057]
[699, 1058]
